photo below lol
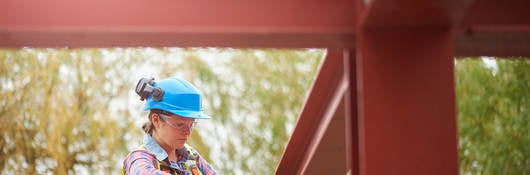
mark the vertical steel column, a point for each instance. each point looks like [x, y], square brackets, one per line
[406, 97]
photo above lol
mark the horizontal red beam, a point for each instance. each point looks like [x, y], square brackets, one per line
[503, 41]
[259, 23]
[495, 28]
[413, 13]
[82, 37]
[232, 23]
[482, 27]
[497, 13]
[182, 13]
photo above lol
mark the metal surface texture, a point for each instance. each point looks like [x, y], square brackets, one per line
[494, 28]
[407, 115]
[187, 23]
[482, 27]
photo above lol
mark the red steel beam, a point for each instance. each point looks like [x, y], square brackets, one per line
[497, 13]
[413, 13]
[326, 94]
[495, 28]
[351, 117]
[494, 40]
[484, 27]
[330, 154]
[333, 109]
[405, 80]
[407, 102]
[184, 23]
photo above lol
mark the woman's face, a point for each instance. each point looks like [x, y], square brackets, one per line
[174, 130]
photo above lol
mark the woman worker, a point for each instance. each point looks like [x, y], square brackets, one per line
[174, 105]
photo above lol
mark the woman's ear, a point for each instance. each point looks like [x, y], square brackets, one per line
[155, 119]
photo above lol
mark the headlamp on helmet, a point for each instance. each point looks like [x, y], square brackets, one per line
[145, 87]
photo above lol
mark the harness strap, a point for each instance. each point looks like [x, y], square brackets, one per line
[166, 168]
[191, 164]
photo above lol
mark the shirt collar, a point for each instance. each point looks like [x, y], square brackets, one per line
[152, 146]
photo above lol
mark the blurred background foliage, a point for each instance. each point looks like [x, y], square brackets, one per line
[56, 107]
[74, 111]
[493, 115]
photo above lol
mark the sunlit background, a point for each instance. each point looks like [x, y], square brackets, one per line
[74, 111]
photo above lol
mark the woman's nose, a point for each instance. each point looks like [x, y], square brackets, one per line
[187, 131]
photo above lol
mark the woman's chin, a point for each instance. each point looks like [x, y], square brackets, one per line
[180, 143]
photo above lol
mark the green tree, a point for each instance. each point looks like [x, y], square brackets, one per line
[493, 116]
[55, 114]
[69, 110]
[255, 96]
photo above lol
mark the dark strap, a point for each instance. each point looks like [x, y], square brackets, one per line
[164, 166]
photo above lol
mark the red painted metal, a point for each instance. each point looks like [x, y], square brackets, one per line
[184, 13]
[413, 13]
[331, 110]
[258, 23]
[407, 102]
[315, 115]
[501, 41]
[495, 28]
[232, 23]
[330, 155]
[497, 13]
[351, 117]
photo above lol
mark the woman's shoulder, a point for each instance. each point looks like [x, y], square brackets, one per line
[138, 158]
[139, 153]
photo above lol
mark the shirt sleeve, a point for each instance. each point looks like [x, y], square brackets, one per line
[203, 165]
[140, 162]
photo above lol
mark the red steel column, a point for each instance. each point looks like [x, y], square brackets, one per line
[406, 96]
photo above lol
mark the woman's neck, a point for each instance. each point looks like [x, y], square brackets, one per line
[170, 150]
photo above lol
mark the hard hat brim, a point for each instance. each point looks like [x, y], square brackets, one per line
[190, 114]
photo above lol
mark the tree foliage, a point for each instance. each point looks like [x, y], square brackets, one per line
[493, 116]
[257, 103]
[255, 97]
[55, 111]
[74, 110]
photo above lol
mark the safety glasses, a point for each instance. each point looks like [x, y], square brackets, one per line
[179, 125]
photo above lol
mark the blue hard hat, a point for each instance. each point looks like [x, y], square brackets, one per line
[180, 97]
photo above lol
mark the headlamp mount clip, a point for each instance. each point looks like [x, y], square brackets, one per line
[145, 87]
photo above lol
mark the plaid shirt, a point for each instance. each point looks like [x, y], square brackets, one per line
[145, 160]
